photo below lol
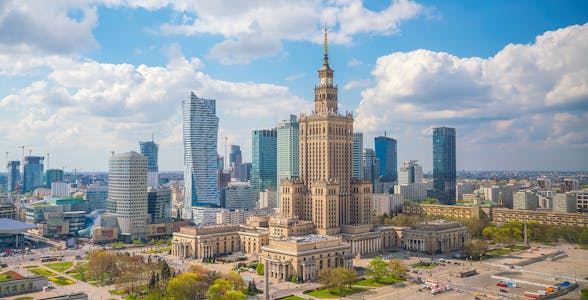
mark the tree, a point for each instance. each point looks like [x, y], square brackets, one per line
[475, 248]
[234, 295]
[237, 282]
[335, 279]
[206, 275]
[165, 270]
[397, 268]
[102, 265]
[583, 237]
[378, 268]
[259, 269]
[431, 200]
[186, 286]
[218, 289]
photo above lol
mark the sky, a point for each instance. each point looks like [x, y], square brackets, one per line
[82, 78]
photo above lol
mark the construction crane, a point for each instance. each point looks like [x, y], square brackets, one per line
[22, 148]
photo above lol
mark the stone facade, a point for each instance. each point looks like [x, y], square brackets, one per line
[435, 237]
[22, 286]
[303, 257]
[449, 211]
[213, 240]
[504, 215]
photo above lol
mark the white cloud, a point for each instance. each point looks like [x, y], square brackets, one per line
[248, 26]
[515, 96]
[354, 84]
[101, 107]
[354, 62]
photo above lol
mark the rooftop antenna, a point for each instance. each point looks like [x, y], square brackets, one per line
[385, 132]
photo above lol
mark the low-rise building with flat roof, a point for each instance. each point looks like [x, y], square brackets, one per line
[435, 237]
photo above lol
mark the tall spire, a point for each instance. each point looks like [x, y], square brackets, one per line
[326, 46]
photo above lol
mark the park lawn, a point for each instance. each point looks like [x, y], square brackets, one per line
[42, 272]
[60, 280]
[60, 266]
[291, 298]
[324, 293]
[24, 298]
[424, 265]
[386, 280]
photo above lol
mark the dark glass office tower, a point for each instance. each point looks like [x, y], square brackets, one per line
[444, 164]
[387, 154]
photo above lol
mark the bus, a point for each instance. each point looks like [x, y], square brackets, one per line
[50, 258]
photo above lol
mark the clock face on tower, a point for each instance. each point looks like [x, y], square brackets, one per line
[323, 81]
[330, 81]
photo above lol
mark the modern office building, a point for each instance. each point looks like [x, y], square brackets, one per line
[200, 131]
[582, 201]
[525, 200]
[60, 189]
[565, 203]
[235, 161]
[150, 150]
[358, 155]
[33, 173]
[245, 172]
[159, 205]
[371, 166]
[53, 175]
[13, 178]
[288, 158]
[97, 195]
[127, 190]
[264, 160]
[386, 152]
[410, 172]
[238, 195]
[57, 216]
[444, 164]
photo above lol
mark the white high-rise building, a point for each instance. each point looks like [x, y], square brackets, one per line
[127, 193]
[410, 172]
[287, 151]
[200, 130]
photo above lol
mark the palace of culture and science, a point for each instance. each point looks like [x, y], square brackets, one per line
[326, 216]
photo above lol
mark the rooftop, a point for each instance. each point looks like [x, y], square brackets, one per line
[9, 226]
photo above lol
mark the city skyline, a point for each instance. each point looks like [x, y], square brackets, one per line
[515, 91]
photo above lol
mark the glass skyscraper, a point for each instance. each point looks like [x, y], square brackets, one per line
[444, 169]
[358, 155]
[13, 169]
[53, 175]
[288, 152]
[33, 173]
[150, 150]
[200, 130]
[264, 160]
[235, 161]
[387, 154]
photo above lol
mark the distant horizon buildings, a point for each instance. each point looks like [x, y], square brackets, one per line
[410, 172]
[287, 151]
[387, 153]
[200, 133]
[444, 165]
[150, 150]
[264, 160]
[235, 161]
[127, 193]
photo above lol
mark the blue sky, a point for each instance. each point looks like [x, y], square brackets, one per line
[79, 79]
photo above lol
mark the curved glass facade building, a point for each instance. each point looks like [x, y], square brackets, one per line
[200, 130]
[150, 150]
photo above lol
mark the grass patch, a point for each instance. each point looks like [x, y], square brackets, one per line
[42, 272]
[60, 280]
[424, 265]
[60, 266]
[24, 298]
[291, 298]
[386, 280]
[325, 293]
[505, 251]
